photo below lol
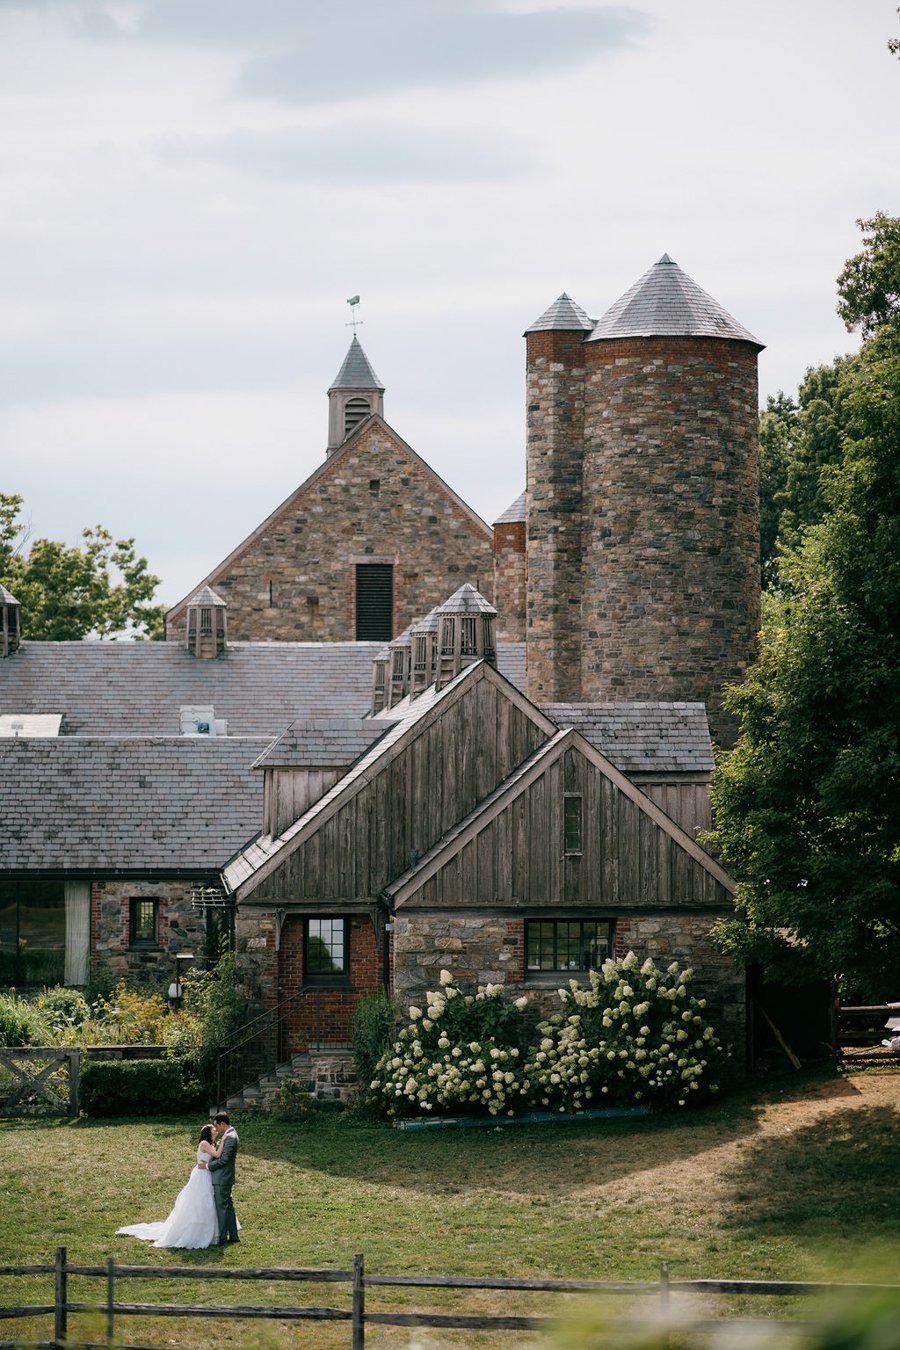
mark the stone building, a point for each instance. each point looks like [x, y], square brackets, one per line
[362, 548]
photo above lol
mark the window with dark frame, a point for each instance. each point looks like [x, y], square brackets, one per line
[144, 922]
[556, 945]
[325, 951]
[572, 824]
[374, 602]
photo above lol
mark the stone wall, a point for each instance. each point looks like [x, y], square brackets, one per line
[555, 422]
[180, 927]
[510, 580]
[671, 520]
[294, 579]
[483, 948]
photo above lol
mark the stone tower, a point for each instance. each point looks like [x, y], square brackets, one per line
[356, 394]
[643, 536]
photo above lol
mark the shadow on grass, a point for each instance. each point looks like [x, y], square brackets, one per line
[818, 1180]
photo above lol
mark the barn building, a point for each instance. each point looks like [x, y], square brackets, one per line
[382, 738]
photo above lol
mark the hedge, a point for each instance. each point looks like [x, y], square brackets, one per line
[148, 1087]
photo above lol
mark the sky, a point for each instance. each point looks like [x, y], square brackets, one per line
[190, 190]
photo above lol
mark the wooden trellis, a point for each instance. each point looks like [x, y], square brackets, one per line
[32, 1082]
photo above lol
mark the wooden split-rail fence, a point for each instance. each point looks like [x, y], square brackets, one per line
[39, 1081]
[358, 1315]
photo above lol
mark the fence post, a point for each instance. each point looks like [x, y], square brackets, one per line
[60, 1310]
[359, 1303]
[74, 1073]
[110, 1298]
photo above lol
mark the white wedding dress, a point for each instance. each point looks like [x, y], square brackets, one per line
[193, 1221]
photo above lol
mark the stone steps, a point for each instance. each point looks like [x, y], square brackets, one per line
[327, 1075]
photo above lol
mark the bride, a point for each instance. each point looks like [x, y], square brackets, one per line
[193, 1221]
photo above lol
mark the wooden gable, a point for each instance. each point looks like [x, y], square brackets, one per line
[511, 851]
[405, 795]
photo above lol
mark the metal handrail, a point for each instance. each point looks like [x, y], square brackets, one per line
[269, 1016]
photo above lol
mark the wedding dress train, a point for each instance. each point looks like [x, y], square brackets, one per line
[193, 1221]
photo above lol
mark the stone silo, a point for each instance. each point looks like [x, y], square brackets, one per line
[670, 498]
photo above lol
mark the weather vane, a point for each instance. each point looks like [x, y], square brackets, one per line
[354, 321]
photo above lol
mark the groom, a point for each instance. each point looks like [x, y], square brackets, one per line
[221, 1171]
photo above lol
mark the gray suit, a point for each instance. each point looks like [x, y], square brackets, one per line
[221, 1171]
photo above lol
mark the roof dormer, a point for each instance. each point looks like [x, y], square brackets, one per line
[10, 629]
[206, 624]
[465, 635]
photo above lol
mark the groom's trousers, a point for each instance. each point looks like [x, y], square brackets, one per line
[228, 1229]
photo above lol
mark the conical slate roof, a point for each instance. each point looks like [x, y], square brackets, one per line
[429, 624]
[356, 373]
[666, 302]
[206, 596]
[466, 601]
[514, 513]
[563, 316]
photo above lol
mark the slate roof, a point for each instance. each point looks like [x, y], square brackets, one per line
[666, 302]
[206, 596]
[563, 316]
[143, 804]
[137, 688]
[466, 601]
[642, 738]
[514, 513]
[322, 743]
[356, 372]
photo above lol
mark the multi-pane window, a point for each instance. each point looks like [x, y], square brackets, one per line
[572, 824]
[32, 932]
[144, 922]
[567, 944]
[325, 951]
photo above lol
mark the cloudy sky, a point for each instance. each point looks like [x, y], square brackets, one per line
[191, 189]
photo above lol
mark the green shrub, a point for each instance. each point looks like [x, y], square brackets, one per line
[210, 1022]
[634, 1036]
[63, 1007]
[21, 1023]
[460, 1054]
[143, 1087]
[372, 1030]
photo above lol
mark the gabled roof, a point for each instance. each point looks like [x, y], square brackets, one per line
[321, 743]
[666, 302]
[81, 804]
[332, 466]
[563, 316]
[356, 372]
[415, 877]
[262, 855]
[644, 738]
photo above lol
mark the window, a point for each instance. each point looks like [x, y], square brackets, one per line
[374, 602]
[572, 824]
[325, 951]
[144, 922]
[554, 945]
[32, 933]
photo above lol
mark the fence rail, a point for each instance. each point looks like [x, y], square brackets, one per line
[39, 1081]
[357, 1314]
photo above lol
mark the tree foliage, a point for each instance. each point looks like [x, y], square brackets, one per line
[869, 285]
[808, 803]
[101, 588]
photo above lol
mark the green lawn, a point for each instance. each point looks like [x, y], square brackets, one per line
[798, 1182]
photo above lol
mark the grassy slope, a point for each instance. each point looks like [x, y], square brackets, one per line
[791, 1185]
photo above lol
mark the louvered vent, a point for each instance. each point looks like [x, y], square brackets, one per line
[356, 410]
[374, 602]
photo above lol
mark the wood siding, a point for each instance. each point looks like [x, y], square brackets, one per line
[289, 793]
[450, 764]
[628, 861]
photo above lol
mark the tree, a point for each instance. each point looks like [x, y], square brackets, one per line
[807, 805]
[869, 285]
[101, 588]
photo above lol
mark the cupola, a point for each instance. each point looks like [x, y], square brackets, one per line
[379, 679]
[10, 631]
[206, 624]
[424, 636]
[400, 651]
[356, 394]
[465, 633]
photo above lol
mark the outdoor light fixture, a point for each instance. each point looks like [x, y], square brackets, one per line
[176, 990]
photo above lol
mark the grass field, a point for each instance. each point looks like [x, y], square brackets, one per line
[797, 1180]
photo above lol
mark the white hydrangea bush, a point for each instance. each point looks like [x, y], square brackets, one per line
[458, 1054]
[633, 1036]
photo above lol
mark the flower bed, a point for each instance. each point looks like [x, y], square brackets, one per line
[633, 1036]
